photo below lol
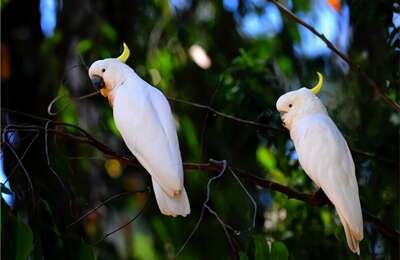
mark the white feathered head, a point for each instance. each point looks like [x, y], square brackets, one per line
[298, 103]
[108, 73]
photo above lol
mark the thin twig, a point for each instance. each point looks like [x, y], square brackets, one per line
[115, 196]
[230, 117]
[46, 149]
[208, 195]
[21, 158]
[226, 229]
[24, 114]
[210, 103]
[308, 198]
[124, 225]
[51, 104]
[331, 46]
[253, 202]
[82, 62]
[277, 129]
[234, 118]
[23, 169]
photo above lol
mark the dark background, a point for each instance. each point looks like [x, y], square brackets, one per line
[257, 54]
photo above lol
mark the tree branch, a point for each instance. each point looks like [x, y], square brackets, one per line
[378, 91]
[231, 117]
[227, 116]
[311, 199]
[277, 129]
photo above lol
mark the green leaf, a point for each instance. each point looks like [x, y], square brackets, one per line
[23, 239]
[326, 218]
[111, 123]
[66, 107]
[261, 248]
[266, 158]
[243, 256]
[86, 252]
[84, 45]
[108, 31]
[279, 251]
[143, 247]
[285, 64]
[161, 230]
[189, 133]
[3, 3]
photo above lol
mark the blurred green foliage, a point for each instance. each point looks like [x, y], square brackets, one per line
[246, 77]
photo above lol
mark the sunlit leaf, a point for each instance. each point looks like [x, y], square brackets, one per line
[261, 248]
[279, 251]
[66, 107]
[326, 217]
[266, 158]
[164, 63]
[111, 124]
[143, 247]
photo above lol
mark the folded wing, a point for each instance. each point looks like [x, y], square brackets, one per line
[325, 157]
[147, 127]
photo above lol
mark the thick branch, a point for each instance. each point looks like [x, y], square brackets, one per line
[313, 200]
[378, 91]
[229, 117]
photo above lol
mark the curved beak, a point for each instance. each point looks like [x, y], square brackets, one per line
[98, 82]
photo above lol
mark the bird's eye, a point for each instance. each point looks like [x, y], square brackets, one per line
[103, 70]
[290, 105]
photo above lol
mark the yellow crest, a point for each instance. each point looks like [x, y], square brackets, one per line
[318, 87]
[125, 54]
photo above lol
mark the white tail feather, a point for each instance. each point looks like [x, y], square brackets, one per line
[352, 239]
[171, 206]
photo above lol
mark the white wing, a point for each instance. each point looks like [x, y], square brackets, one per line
[144, 119]
[167, 120]
[325, 157]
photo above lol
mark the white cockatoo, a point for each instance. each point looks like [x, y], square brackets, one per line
[324, 155]
[143, 117]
